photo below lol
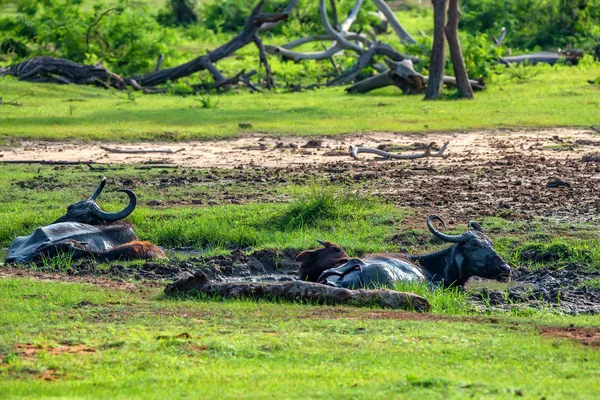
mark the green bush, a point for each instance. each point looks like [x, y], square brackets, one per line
[545, 24]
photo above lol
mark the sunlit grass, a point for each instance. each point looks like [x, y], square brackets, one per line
[557, 96]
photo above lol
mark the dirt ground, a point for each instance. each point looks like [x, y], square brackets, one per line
[519, 174]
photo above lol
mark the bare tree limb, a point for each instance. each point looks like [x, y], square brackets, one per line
[287, 10]
[393, 21]
[357, 37]
[345, 27]
[354, 151]
[334, 15]
[159, 62]
[256, 21]
[339, 38]
[498, 41]
[265, 62]
[297, 56]
[140, 151]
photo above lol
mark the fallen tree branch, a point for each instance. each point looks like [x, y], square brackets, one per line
[141, 151]
[393, 21]
[345, 27]
[339, 37]
[297, 290]
[592, 127]
[401, 74]
[354, 151]
[59, 70]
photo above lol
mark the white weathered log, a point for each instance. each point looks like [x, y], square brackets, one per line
[354, 151]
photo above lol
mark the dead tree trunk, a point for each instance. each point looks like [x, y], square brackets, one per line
[458, 63]
[297, 291]
[438, 51]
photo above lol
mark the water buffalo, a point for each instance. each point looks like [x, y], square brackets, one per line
[85, 231]
[471, 254]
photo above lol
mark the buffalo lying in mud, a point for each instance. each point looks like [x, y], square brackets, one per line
[85, 231]
[471, 254]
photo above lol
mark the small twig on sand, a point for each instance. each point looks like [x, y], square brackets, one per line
[592, 127]
[44, 162]
[132, 151]
[353, 151]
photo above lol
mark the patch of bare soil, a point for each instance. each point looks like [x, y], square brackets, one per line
[27, 351]
[519, 174]
[586, 336]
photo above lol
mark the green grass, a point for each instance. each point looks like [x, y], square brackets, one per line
[261, 349]
[557, 96]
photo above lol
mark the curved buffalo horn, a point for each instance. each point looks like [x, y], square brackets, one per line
[474, 225]
[98, 190]
[120, 214]
[446, 238]
[322, 242]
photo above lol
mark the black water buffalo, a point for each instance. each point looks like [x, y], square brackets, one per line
[471, 254]
[85, 231]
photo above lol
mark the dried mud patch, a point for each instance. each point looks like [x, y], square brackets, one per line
[585, 336]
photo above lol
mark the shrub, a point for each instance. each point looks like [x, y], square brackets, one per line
[535, 23]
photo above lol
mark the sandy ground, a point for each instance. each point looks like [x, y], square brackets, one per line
[267, 151]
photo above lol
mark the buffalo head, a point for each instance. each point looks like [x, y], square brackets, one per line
[473, 252]
[314, 262]
[88, 212]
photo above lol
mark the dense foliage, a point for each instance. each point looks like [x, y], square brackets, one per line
[547, 24]
[124, 36]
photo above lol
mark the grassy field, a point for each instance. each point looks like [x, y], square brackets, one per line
[120, 339]
[557, 96]
[137, 344]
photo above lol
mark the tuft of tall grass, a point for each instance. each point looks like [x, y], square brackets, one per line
[451, 301]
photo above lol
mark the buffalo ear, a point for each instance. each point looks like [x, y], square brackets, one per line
[459, 259]
[306, 255]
